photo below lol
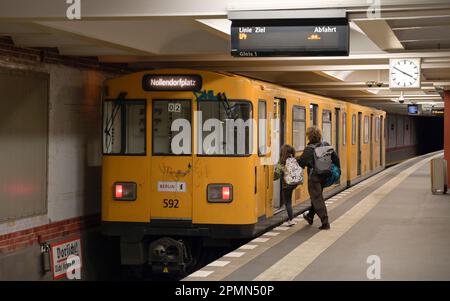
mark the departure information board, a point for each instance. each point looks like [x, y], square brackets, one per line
[290, 37]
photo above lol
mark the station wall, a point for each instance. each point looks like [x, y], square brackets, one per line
[72, 163]
[401, 138]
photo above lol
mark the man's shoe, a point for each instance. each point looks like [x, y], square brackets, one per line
[308, 219]
[325, 227]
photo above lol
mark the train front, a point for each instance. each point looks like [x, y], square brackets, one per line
[178, 158]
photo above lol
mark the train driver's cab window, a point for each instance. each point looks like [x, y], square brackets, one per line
[344, 128]
[299, 128]
[124, 127]
[313, 108]
[227, 128]
[366, 129]
[171, 127]
[354, 129]
[326, 126]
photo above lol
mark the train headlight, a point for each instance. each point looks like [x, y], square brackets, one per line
[220, 193]
[125, 191]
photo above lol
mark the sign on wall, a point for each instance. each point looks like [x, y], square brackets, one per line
[66, 259]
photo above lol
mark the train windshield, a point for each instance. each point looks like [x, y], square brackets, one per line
[226, 128]
[124, 127]
[171, 127]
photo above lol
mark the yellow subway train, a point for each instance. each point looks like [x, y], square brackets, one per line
[188, 158]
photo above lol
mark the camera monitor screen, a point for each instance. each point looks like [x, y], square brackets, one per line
[413, 109]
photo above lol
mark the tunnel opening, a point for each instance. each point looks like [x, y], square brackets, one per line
[430, 134]
[409, 136]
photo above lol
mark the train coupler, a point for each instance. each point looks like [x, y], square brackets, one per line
[169, 256]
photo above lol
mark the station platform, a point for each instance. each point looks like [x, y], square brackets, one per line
[391, 222]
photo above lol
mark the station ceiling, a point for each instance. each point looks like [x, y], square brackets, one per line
[195, 34]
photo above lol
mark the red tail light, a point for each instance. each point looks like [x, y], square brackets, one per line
[226, 193]
[124, 191]
[220, 193]
[119, 191]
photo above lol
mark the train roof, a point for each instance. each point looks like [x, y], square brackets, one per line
[241, 77]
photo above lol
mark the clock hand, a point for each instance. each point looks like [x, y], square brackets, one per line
[403, 72]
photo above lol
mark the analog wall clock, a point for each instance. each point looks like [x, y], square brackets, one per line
[404, 73]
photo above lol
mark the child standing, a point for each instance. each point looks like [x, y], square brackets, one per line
[287, 152]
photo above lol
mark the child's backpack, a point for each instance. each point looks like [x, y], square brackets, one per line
[293, 173]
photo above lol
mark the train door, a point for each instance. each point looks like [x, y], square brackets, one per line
[337, 129]
[371, 142]
[381, 131]
[261, 168]
[278, 139]
[171, 168]
[359, 143]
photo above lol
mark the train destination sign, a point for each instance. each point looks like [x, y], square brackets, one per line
[172, 82]
[290, 37]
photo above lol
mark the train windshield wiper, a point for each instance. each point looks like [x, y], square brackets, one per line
[117, 103]
[230, 110]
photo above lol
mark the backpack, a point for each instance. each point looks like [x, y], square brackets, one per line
[322, 160]
[293, 173]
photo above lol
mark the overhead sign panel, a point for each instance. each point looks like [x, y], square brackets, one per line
[290, 37]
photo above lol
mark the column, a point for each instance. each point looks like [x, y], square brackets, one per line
[447, 132]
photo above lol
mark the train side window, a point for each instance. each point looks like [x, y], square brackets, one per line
[326, 126]
[313, 108]
[299, 127]
[377, 128]
[262, 128]
[226, 132]
[366, 129]
[124, 127]
[354, 129]
[169, 118]
[344, 128]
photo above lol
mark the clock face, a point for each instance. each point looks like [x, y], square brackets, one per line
[404, 73]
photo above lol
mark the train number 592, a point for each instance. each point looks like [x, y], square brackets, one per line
[170, 203]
